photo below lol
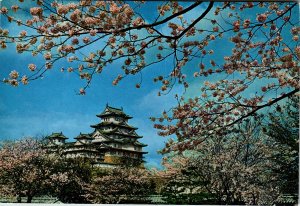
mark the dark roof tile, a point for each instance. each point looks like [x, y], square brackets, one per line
[111, 111]
[58, 135]
[83, 136]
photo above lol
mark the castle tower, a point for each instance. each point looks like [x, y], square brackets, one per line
[57, 138]
[119, 139]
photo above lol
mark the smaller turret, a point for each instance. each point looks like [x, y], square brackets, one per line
[57, 138]
[83, 139]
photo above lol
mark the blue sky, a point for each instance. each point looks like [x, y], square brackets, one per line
[51, 105]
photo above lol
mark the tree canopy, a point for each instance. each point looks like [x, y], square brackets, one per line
[28, 170]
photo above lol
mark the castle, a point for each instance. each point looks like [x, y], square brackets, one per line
[112, 143]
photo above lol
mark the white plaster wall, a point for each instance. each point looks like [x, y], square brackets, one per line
[58, 142]
[113, 119]
[128, 147]
[98, 137]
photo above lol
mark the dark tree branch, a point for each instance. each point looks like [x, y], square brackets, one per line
[263, 106]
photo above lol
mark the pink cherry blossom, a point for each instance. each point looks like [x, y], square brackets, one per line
[261, 17]
[4, 10]
[36, 11]
[48, 56]
[32, 67]
[14, 74]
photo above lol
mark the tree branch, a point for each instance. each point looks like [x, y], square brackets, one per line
[263, 106]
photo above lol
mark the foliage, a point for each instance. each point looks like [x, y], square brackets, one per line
[68, 180]
[24, 169]
[27, 170]
[180, 186]
[120, 185]
[253, 164]
[132, 162]
[284, 129]
[233, 169]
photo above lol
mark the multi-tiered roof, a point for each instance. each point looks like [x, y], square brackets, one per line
[113, 139]
[114, 128]
[57, 138]
[57, 135]
[108, 111]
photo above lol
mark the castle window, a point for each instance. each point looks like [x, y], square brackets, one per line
[118, 119]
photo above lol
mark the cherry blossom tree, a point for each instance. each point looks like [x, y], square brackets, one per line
[120, 185]
[68, 179]
[234, 169]
[179, 185]
[28, 170]
[262, 57]
[24, 169]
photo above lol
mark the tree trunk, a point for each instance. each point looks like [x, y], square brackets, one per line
[29, 199]
[19, 200]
